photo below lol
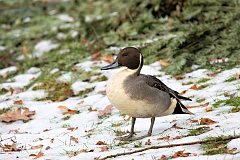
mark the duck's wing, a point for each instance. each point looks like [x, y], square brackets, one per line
[156, 83]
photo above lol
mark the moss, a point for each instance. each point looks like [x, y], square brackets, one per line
[3, 91]
[198, 131]
[216, 145]
[117, 124]
[100, 78]
[235, 101]
[66, 118]
[56, 90]
[203, 80]
[188, 83]
[235, 109]
[203, 86]
[199, 100]
[118, 132]
[233, 78]
[85, 92]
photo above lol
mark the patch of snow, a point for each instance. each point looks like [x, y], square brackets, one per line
[80, 86]
[43, 47]
[55, 70]
[2, 48]
[7, 71]
[65, 18]
[67, 77]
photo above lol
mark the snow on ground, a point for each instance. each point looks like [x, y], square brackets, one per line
[49, 129]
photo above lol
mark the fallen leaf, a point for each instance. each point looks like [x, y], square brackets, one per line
[100, 143]
[148, 142]
[19, 114]
[20, 102]
[32, 155]
[90, 109]
[72, 129]
[69, 92]
[178, 77]
[206, 121]
[52, 140]
[193, 120]
[183, 92]
[25, 51]
[95, 56]
[194, 87]
[107, 110]
[192, 106]
[108, 58]
[164, 63]
[68, 111]
[205, 104]
[11, 91]
[163, 157]
[10, 148]
[45, 130]
[180, 154]
[208, 109]
[103, 149]
[36, 147]
[47, 148]
[231, 151]
[40, 154]
[164, 138]
[74, 139]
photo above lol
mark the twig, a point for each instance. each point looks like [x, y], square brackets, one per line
[167, 146]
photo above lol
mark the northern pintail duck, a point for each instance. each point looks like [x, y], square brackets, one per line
[139, 95]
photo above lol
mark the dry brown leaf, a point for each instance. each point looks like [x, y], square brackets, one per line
[25, 51]
[180, 154]
[45, 130]
[107, 110]
[40, 154]
[72, 128]
[11, 91]
[18, 114]
[108, 58]
[100, 143]
[69, 111]
[194, 87]
[32, 155]
[74, 139]
[47, 148]
[36, 147]
[163, 157]
[10, 147]
[164, 138]
[178, 77]
[208, 109]
[20, 102]
[52, 140]
[148, 142]
[164, 63]
[192, 106]
[205, 104]
[95, 56]
[104, 148]
[90, 109]
[63, 107]
[193, 120]
[183, 92]
[206, 121]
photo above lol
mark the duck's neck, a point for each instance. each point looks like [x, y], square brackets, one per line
[136, 72]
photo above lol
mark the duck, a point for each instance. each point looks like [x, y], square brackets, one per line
[139, 95]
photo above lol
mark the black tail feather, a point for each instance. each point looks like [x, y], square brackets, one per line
[183, 98]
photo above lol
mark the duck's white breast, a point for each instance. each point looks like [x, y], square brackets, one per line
[134, 108]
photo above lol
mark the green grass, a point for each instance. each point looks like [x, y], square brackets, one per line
[233, 78]
[198, 131]
[235, 109]
[3, 91]
[199, 100]
[203, 86]
[235, 101]
[203, 80]
[66, 118]
[216, 145]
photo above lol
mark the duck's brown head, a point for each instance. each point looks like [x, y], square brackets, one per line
[129, 57]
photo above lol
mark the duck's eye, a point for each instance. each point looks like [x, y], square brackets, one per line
[124, 55]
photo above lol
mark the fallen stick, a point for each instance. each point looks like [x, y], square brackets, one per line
[168, 146]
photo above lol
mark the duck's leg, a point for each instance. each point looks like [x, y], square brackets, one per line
[129, 137]
[149, 131]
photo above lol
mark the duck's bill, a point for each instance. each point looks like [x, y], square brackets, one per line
[115, 64]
